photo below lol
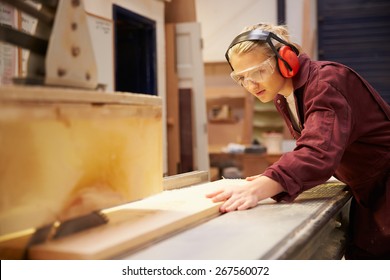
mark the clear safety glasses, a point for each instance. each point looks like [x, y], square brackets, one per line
[255, 74]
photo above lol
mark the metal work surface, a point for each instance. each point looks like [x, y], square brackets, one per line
[297, 230]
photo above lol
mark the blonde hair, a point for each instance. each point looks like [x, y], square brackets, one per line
[279, 30]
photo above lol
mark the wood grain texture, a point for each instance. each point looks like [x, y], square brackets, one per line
[66, 152]
[137, 224]
[70, 95]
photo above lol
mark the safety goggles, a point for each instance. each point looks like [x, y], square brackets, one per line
[255, 74]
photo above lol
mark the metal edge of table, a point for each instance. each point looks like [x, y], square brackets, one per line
[315, 234]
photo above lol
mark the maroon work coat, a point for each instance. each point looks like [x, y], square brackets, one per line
[345, 133]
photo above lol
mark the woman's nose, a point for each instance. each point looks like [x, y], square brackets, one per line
[252, 86]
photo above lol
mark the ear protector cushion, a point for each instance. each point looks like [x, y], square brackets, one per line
[289, 65]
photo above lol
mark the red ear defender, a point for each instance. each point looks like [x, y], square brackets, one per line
[291, 58]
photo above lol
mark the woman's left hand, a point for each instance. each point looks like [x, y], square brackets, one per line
[245, 195]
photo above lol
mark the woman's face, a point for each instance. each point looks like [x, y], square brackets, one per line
[259, 75]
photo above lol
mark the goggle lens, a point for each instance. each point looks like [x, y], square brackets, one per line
[255, 74]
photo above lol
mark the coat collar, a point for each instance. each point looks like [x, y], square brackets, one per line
[302, 76]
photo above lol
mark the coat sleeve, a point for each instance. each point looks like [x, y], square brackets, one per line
[321, 145]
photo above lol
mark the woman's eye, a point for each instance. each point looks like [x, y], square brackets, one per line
[261, 70]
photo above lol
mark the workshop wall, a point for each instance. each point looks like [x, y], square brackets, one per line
[233, 16]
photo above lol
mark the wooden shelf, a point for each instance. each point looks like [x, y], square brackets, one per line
[271, 127]
[224, 121]
[266, 118]
[250, 164]
[265, 110]
[234, 102]
[236, 126]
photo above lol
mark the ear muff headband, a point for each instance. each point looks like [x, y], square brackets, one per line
[287, 55]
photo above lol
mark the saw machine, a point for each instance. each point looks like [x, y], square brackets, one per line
[81, 170]
[61, 52]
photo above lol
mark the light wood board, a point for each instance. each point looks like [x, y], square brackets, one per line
[136, 224]
[70, 95]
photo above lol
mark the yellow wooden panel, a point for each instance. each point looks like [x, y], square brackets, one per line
[61, 159]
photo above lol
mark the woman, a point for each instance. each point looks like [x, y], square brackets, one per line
[342, 128]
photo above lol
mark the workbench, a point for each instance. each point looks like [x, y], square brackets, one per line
[181, 223]
[312, 227]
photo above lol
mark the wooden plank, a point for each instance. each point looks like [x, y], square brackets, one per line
[185, 180]
[186, 131]
[70, 95]
[146, 220]
[172, 101]
[180, 11]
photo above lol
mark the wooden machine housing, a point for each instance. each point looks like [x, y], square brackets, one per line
[65, 153]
